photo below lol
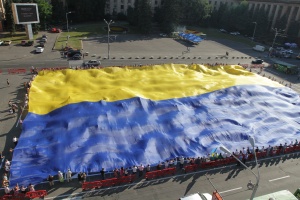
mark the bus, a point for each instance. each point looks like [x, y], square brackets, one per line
[285, 67]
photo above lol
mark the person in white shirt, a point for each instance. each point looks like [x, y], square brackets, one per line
[7, 189]
[69, 175]
[60, 176]
[244, 151]
[141, 170]
[7, 168]
[148, 168]
[7, 163]
[181, 160]
[166, 164]
[15, 141]
[175, 162]
[134, 169]
[31, 188]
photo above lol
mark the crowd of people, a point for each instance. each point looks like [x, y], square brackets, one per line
[178, 162]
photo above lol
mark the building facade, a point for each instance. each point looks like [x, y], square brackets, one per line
[275, 8]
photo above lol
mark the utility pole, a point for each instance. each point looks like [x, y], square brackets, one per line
[277, 33]
[108, 30]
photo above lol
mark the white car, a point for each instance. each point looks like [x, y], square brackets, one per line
[289, 51]
[94, 63]
[197, 196]
[234, 33]
[39, 50]
[1, 42]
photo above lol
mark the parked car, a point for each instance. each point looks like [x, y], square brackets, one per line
[287, 55]
[6, 43]
[234, 33]
[55, 30]
[259, 48]
[41, 44]
[44, 36]
[23, 43]
[257, 61]
[76, 57]
[92, 63]
[29, 43]
[43, 40]
[288, 51]
[223, 30]
[197, 196]
[298, 57]
[1, 42]
[71, 53]
[39, 50]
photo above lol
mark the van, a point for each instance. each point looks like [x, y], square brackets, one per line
[259, 48]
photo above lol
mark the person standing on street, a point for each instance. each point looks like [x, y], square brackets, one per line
[50, 179]
[60, 176]
[15, 141]
[7, 81]
[102, 172]
[69, 175]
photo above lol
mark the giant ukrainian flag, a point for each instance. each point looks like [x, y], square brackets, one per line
[119, 117]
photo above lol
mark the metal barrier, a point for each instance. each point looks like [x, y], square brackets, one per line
[160, 173]
[16, 71]
[36, 194]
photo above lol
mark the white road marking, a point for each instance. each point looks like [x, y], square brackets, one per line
[231, 190]
[279, 178]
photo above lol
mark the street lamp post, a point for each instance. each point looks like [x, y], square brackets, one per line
[251, 140]
[108, 29]
[254, 30]
[68, 23]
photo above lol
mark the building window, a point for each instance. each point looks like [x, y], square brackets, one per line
[115, 1]
[122, 1]
[129, 1]
[209, 2]
[155, 2]
[216, 2]
[122, 7]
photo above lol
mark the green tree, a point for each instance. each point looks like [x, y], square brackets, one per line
[281, 22]
[132, 16]
[170, 15]
[9, 22]
[194, 11]
[91, 10]
[58, 11]
[144, 16]
[217, 14]
[260, 17]
[45, 12]
[293, 29]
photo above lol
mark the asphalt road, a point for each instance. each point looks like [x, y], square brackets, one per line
[230, 181]
[277, 173]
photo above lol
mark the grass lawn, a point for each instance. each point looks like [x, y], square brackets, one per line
[81, 31]
[16, 38]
